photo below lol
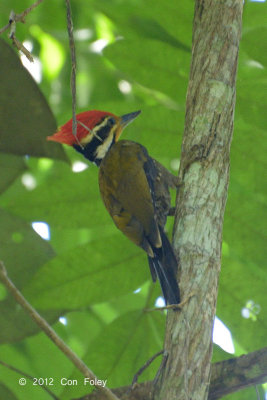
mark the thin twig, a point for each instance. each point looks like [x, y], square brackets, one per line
[5, 28]
[20, 47]
[15, 41]
[21, 373]
[20, 17]
[13, 19]
[41, 322]
[145, 366]
[73, 67]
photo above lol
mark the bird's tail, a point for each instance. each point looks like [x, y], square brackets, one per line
[164, 267]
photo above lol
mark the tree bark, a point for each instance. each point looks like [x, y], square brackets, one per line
[237, 373]
[201, 200]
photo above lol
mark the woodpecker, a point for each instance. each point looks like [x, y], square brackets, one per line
[129, 185]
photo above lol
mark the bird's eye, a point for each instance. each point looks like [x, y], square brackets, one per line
[111, 121]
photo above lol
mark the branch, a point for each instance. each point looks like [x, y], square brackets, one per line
[79, 364]
[13, 19]
[19, 17]
[141, 391]
[226, 377]
[238, 373]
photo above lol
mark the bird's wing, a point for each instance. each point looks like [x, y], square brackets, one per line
[127, 194]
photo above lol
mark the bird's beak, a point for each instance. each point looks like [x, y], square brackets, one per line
[125, 120]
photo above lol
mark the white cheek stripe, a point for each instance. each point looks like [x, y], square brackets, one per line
[102, 149]
[93, 132]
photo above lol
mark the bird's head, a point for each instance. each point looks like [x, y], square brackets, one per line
[96, 133]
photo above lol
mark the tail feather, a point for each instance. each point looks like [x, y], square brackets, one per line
[164, 267]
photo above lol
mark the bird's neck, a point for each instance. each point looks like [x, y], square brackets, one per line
[96, 150]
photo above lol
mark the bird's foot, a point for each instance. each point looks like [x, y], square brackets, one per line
[174, 307]
[145, 366]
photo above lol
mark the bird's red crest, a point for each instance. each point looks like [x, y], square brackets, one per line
[88, 120]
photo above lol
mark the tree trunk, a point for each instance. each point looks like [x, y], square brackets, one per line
[201, 200]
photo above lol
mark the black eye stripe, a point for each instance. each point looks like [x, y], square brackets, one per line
[103, 132]
[110, 121]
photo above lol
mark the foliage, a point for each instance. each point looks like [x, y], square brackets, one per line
[87, 271]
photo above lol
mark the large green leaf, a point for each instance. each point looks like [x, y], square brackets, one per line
[151, 63]
[254, 15]
[95, 272]
[251, 96]
[11, 167]
[134, 348]
[152, 20]
[254, 45]
[121, 349]
[243, 276]
[25, 117]
[64, 199]
[33, 356]
[23, 252]
[6, 393]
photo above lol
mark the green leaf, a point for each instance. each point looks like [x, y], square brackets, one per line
[63, 199]
[133, 350]
[95, 272]
[33, 356]
[243, 276]
[251, 96]
[11, 167]
[152, 20]
[218, 354]
[25, 117]
[151, 63]
[121, 349]
[52, 53]
[23, 252]
[254, 15]
[254, 45]
[248, 393]
[6, 394]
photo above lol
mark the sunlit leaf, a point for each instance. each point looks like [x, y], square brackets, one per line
[52, 53]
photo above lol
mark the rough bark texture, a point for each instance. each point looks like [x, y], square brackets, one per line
[232, 375]
[201, 200]
[226, 377]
